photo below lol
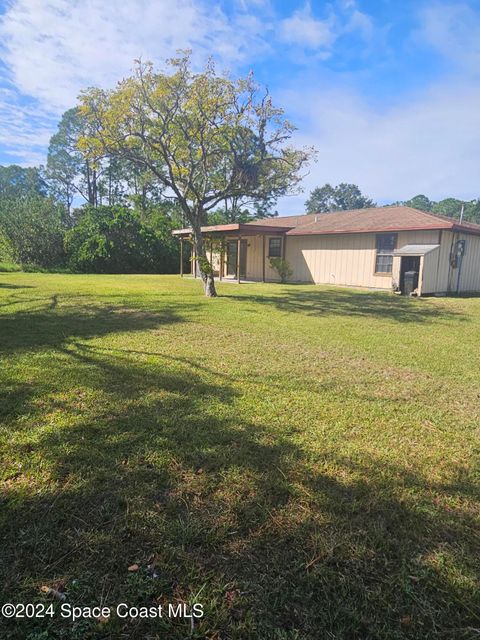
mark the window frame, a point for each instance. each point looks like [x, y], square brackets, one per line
[381, 252]
[278, 239]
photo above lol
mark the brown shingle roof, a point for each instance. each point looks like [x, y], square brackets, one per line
[380, 219]
[286, 221]
[375, 220]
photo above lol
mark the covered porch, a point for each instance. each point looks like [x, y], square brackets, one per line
[237, 252]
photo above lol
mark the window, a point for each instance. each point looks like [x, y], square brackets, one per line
[386, 243]
[275, 248]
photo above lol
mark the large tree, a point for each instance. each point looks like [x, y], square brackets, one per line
[68, 171]
[34, 227]
[343, 197]
[420, 202]
[205, 137]
[18, 182]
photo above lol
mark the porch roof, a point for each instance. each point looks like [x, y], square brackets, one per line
[236, 229]
[415, 249]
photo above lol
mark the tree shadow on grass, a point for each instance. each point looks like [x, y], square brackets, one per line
[320, 302]
[51, 325]
[159, 468]
[7, 285]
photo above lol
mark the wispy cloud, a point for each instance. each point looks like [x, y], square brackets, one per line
[426, 145]
[302, 29]
[453, 29]
[55, 48]
[419, 140]
[306, 31]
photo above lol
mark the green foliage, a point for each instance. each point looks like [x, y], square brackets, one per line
[17, 182]
[282, 267]
[9, 267]
[450, 207]
[67, 171]
[115, 240]
[34, 228]
[242, 210]
[340, 198]
[6, 248]
[206, 137]
[420, 202]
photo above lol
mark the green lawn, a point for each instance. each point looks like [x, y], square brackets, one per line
[301, 460]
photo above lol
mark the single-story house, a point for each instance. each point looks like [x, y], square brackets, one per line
[379, 248]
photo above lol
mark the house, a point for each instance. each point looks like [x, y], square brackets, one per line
[373, 248]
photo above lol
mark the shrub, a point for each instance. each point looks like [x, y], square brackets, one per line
[282, 267]
[114, 240]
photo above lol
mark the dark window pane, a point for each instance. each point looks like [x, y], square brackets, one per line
[275, 248]
[384, 263]
[386, 242]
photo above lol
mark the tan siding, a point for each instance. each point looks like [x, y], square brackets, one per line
[349, 259]
[470, 272]
[447, 277]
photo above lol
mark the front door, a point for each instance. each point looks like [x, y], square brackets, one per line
[232, 247]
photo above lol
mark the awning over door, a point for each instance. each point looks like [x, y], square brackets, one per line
[415, 249]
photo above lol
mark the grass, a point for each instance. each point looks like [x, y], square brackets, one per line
[9, 267]
[303, 461]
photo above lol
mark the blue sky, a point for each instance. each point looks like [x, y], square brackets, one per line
[388, 92]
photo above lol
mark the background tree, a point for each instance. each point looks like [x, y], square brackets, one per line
[343, 197]
[205, 137]
[68, 171]
[114, 240]
[420, 202]
[450, 207]
[17, 182]
[7, 254]
[34, 227]
[242, 210]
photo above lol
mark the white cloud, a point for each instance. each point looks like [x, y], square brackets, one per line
[56, 47]
[50, 50]
[24, 129]
[302, 29]
[454, 30]
[427, 144]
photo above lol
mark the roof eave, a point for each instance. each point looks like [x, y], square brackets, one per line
[301, 231]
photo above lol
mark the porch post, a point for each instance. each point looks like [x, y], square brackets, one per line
[181, 257]
[194, 261]
[211, 253]
[263, 258]
[238, 257]
[220, 269]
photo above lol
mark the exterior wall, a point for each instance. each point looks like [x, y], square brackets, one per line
[254, 258]
[349, 259]
[440, 277]
[470, 268]
[346, 259]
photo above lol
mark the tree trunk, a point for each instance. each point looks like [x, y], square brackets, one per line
[206, 272]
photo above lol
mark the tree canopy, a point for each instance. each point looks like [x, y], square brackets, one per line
[205, 137]
[115, 240]
[16, 182]
[343, 197]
